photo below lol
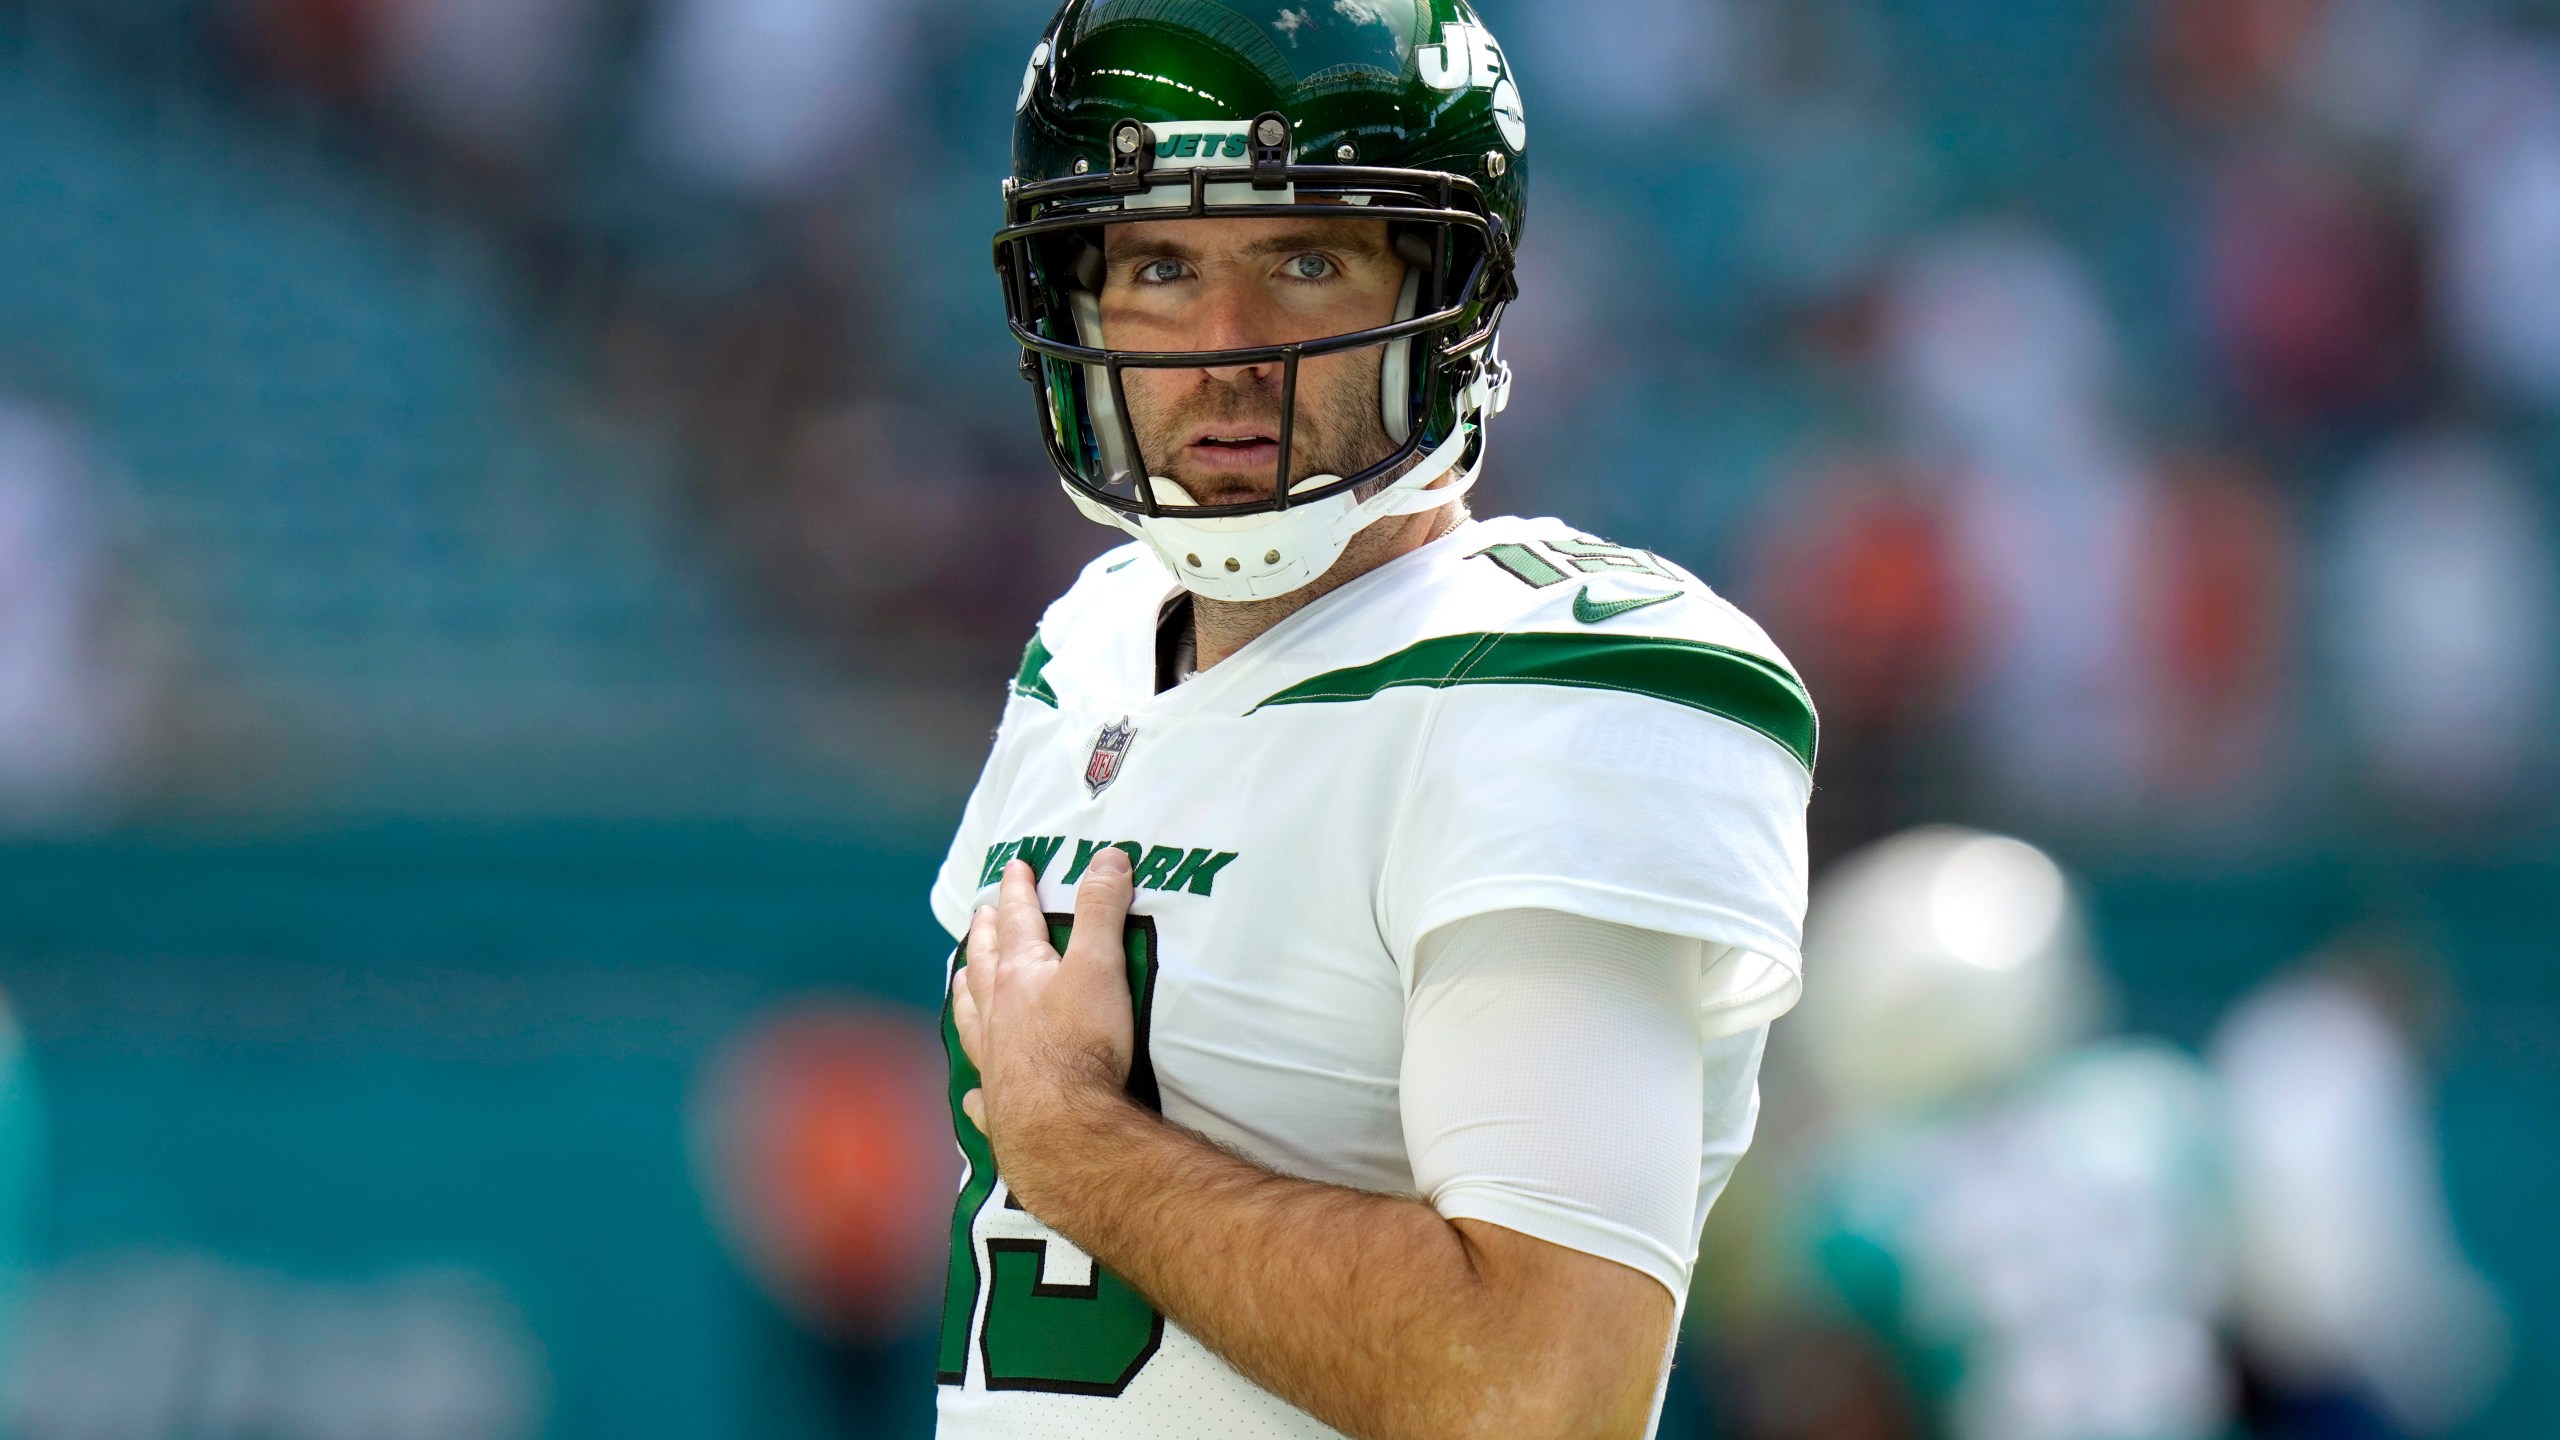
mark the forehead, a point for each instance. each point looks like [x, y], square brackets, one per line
[1244, 238]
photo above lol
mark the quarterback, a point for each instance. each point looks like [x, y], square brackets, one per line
[1369, 917]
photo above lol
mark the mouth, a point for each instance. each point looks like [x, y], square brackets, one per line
[1236, 452]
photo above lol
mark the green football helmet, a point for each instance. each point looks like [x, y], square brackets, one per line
[1146, 110]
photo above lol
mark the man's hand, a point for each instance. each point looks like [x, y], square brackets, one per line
[1051, 1034]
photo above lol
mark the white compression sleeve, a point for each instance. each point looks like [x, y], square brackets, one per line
[1555, 1083]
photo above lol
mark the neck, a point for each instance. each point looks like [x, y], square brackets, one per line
[1220, 628]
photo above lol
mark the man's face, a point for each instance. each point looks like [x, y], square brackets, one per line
[1180, 285]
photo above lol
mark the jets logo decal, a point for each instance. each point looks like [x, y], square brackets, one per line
[1031, 75]
[1467, 58]
[1223, 140]
[1202, 144]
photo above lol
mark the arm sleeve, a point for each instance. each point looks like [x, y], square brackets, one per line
[1555, 1083]
[1613, 807]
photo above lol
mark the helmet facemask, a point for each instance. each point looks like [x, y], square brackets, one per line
[1439, 377]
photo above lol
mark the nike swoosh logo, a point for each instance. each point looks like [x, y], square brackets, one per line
[1592, 612]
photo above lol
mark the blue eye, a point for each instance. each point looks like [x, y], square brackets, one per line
[1160, 272]
[1310, 267]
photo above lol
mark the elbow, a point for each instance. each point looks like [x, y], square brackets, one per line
[1570, 1347]
[1550, 1393]
[1583, 1413]
[1552, 1415]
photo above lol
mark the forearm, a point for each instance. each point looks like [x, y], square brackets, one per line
[1369, 1311]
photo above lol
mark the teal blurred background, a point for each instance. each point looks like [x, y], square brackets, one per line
[515, 516]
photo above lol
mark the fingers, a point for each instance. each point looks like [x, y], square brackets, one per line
[1010, 993]
[1022, 928]
[1102, 908]
[968, 1020]
[980, 972]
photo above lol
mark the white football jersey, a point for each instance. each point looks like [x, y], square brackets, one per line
[1512, 717]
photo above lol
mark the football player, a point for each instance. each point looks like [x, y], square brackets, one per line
[1370, 916]
[2050, 1233]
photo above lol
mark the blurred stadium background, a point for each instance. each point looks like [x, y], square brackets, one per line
[514, 516]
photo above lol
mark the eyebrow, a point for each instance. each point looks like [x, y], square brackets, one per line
[1333, 235]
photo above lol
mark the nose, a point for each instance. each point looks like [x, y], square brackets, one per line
[1236, 314]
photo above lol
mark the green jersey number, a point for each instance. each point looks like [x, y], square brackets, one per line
[1088, 1339]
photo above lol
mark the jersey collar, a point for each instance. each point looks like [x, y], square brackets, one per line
[1281, 655]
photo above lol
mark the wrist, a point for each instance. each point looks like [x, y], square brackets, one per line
[1063, 1135]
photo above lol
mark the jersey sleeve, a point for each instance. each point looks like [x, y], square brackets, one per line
[1667, 811]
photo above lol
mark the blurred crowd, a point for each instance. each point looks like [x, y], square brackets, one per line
[2175, 453]
[750, 218]
[2305, 550]
[2140, 423]
[74, 683]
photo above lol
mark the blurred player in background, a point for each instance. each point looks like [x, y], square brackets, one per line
[1434, 879]
[2021, 1230]
[21, 1172]
[2358, 1314]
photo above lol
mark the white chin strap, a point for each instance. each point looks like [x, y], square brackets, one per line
[1257, 557]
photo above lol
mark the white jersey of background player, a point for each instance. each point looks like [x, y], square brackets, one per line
[1372, 916]
[2060, 1236]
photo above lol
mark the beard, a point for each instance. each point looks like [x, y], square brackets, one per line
[1339, 430]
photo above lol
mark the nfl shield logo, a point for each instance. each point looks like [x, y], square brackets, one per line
[1109, 749]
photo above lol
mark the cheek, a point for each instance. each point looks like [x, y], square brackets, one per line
[1333, 387]
[1144, 387]
[1153, 393]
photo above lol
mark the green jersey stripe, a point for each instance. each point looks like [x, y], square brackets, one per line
[1739, 686]
[1027, 681]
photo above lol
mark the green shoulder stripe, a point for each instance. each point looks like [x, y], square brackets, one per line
[1741, 687]
[1027, 681]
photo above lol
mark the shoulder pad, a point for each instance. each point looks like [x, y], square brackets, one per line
[1110, 607]
[1539, 603]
